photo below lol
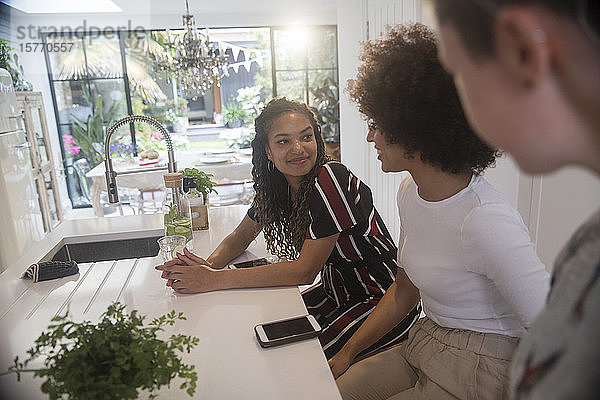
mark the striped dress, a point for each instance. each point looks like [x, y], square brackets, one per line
[361, 266]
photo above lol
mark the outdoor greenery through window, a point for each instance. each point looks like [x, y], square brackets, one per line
[306, 69]
[103, 79]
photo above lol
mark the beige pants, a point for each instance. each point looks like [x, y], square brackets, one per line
[434, 363]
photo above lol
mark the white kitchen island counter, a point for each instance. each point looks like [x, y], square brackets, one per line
[228, 359]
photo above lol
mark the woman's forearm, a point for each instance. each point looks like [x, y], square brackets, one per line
[389, 312]
[301, 271]
[278, 274]
[234, 244]
[193, 277]
[230, 248]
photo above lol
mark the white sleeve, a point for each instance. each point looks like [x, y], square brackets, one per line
[498, 245]
[402, 188]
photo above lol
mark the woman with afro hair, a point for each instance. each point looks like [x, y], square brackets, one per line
[463, 249]
[318, 216]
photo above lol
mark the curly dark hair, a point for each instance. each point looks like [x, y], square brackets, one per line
[283, 220]
[402, 87]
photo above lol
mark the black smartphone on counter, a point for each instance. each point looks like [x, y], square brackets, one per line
[250, 263]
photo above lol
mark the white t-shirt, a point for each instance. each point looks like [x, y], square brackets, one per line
[472, 259]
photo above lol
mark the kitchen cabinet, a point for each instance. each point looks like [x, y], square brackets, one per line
[32, 106]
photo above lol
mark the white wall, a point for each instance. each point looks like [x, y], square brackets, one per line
[565, 199]
[351, 31]
[361, 20]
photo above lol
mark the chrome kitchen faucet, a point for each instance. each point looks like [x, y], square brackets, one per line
[111, 182]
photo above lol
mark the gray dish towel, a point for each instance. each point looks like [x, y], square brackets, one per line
[47, 270]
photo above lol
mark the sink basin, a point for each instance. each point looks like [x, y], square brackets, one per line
[108, 250]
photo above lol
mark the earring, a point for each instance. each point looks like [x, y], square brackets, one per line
[539, 36]
[270, 166]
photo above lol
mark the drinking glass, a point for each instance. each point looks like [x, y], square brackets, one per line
[170, 245]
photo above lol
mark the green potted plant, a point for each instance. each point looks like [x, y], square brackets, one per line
[234, 115]
[198, 195]
[250, 100]
[177, 115]
[10, 62]
[89, 134]
[243, 141]
[114, 359]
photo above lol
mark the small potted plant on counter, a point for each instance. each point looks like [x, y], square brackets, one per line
[114, 359]
[198, 185]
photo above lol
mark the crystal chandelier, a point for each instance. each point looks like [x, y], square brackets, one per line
[193, 60]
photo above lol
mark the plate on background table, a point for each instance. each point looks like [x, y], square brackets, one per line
[246, 152]
[149, 162]
[214, 160]
[220, 151]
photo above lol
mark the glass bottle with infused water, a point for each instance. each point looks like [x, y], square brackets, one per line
[176, 209]
[197, 204]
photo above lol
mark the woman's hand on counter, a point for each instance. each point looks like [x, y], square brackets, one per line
[186, 259]
[189, 258]
[188, 278]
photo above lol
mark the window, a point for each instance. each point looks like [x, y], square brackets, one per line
[103, 79]
[306, 69]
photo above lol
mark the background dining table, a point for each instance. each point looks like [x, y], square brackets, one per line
[225, 165]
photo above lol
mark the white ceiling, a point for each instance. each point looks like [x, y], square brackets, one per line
[166, 7]
[158, 7]
[63, 6]
[214, 13]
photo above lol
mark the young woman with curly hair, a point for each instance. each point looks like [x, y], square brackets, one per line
[463, 249]
[314, 213]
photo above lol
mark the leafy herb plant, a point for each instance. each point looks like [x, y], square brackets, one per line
[110, 360]
[204, 183]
